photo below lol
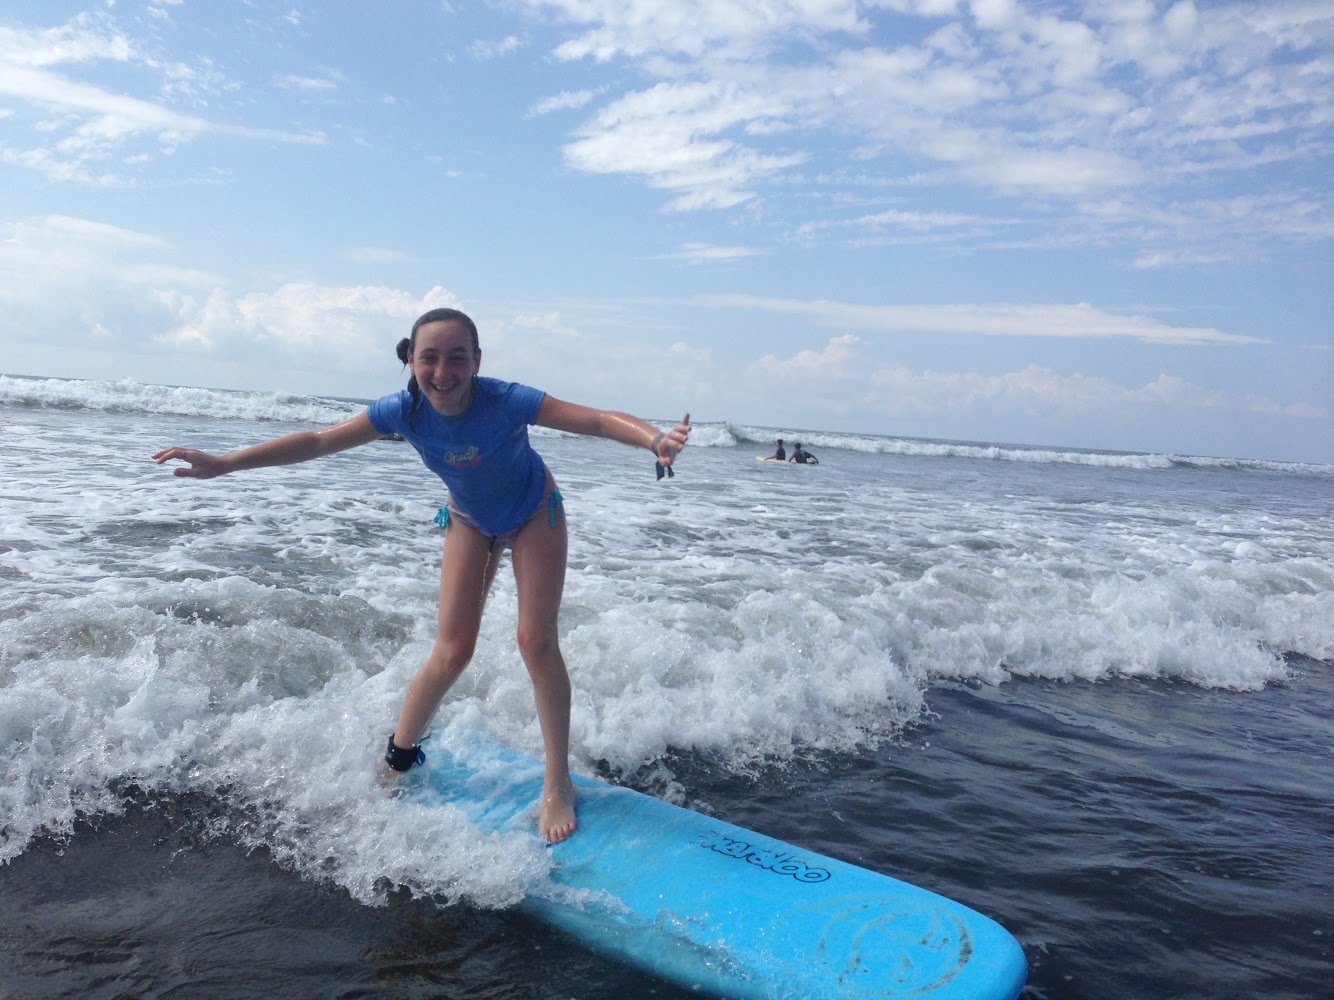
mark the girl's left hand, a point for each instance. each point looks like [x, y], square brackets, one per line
[673, 441]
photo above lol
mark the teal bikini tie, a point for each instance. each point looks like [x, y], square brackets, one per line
[555, 505]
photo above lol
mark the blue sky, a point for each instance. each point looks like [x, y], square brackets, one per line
[1090, 224]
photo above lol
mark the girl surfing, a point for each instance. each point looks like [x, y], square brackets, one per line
[473, 433]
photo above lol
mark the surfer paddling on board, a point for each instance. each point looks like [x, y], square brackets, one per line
[473, 433]
[802, 457]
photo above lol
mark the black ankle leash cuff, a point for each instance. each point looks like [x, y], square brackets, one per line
[400, 759]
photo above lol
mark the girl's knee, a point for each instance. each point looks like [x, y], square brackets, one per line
[538, 645]
[449, 657]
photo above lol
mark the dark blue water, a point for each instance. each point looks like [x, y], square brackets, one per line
[1140, 839]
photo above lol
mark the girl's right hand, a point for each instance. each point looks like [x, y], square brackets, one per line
[202, 464]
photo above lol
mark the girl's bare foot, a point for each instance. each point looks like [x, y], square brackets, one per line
[556, 819]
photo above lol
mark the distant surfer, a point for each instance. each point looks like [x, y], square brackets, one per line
[780, 453]
[802, 457]
[473, 433]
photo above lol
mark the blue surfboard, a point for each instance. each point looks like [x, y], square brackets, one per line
[714, 907]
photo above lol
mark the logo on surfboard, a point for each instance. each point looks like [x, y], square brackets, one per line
[780, 863]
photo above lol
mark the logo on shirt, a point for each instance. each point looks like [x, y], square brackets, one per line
[469, 459]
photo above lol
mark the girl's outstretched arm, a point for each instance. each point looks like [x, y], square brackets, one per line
[286, 450]
[575, 419]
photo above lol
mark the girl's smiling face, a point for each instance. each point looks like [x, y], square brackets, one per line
[444, 361]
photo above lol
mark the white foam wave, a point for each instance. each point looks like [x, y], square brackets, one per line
[128, 396]
[250, 639]
[880, 445]
[230, 704]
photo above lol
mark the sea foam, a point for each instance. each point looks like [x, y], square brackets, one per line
[249, 639]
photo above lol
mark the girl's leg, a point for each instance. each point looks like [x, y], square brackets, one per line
[539, 572]
[467, 568]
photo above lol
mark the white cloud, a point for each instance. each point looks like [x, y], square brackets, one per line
[843, 380]
[1151, 260]
[487, 50]
[707, 253]
[1128, 101]
[310, 84]
[995, 14]
[841, 359]
[580, 362]
[1079, 321]
[1040, 390]
[328, 329]
[566, 100]
[110, 115]
[61, 233]
[83, 285]
[672, 135]
[692, 28]
[80, 275]
[121, 292]
[1071, 171]
[76, 42]
[92, 124]
[48, 259]
[899, 226]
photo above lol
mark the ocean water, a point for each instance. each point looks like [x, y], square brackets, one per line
[1088, 694]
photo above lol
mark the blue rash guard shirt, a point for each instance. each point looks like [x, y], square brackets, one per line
[494, 475]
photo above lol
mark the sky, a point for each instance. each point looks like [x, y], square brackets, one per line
[1103, 224]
